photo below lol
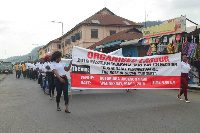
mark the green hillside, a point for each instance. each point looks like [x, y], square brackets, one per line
[33, 54]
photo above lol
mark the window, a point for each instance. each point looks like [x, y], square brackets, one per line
[45, 50]
[67, 41]
[40, 52]
[94, 33]
[58, 46]
[77, 36]
[80, 34]
[73, 38]
[112, 32]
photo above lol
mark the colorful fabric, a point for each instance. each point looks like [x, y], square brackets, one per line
[191, 46]
[193, 51]
[169, 48]
[186, 47]
[149, 51]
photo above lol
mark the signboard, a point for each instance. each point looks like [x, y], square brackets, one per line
[172, 26]
[96, 70]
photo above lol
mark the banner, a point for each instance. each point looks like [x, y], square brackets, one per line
[96, 70]
[171, 26]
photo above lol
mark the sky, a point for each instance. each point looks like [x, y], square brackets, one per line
[26, 24]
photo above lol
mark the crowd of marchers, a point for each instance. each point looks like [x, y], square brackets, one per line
[50, 73]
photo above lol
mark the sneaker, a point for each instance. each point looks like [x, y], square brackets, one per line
[50, 98]
[187, 101]
[58, 109]
[67, 111]
[179, 97]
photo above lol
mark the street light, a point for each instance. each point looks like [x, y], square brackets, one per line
[62, 35]
[62, 25]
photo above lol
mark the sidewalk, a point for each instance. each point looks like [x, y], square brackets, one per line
[2, 76]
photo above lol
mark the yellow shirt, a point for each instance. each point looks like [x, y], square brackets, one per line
[17, 67]
[23, 67]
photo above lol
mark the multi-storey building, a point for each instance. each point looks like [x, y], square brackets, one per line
[95, 28]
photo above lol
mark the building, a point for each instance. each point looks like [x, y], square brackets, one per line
[95, 28]
[52, 46]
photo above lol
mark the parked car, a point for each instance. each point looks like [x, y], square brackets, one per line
[6, 68]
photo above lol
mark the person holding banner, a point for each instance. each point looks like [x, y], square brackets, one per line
[61, 81]
[185, 69]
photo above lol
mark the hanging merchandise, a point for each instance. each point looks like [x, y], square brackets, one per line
[199, 38]
[157, 40]
[161, 48]
[169, 49]
[191, 46]
[149, 53]
[165, 39]
[196, 52]
[176, 47]
[170, 40]
[185, 47]
[153, 47]
[178, 37]
[153, 40]
[193, 51]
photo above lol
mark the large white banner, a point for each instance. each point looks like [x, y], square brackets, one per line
[92, 69]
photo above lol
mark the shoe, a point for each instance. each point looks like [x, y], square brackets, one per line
[50, 98]
[67, 111]
[58, 109]
[187, 101]
[179, 97]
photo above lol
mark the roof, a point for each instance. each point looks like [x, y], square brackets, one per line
[125, 35]
[105, 17]
[53, 41]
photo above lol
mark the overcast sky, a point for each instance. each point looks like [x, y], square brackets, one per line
[25, 24]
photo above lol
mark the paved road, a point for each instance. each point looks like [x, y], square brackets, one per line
[25, 109]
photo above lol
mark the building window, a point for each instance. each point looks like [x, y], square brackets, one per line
[80, 32]
[58, 46]
[112, 32]
[77, 36]
[45, 50]
[94, 33]
[73, 38]
[40, 52]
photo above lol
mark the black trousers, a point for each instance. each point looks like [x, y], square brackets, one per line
[27, 73]
[50, 78]
[24, 74]
[17, 74]
[62, 87]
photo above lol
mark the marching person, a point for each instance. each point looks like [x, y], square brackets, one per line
[17, 69]
[61, 81]
[50, 75]
[185, 69]
[45, 84]
[24, 70]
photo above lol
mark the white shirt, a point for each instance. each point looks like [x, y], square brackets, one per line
[185, 67]
[43, 69]
[48, 64]
[59, 67]
[27, 64]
